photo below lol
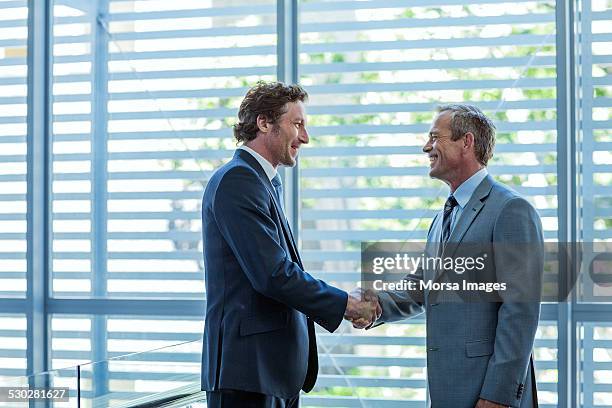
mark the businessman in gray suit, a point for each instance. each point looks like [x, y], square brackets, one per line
[479, 353]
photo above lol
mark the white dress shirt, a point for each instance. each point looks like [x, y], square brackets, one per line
[267, 166]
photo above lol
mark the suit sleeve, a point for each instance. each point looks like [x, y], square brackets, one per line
[401, 305]
[519, 262]
[241, 210]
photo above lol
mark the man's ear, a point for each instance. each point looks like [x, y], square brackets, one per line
[263, 124]
[468, 140]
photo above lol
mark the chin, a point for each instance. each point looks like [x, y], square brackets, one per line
[289, 162]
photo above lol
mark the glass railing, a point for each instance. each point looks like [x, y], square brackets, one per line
[166, 377]
[152, 378]
[55, 388]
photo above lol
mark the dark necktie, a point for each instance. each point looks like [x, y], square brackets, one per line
[278, 187]
[446, 221]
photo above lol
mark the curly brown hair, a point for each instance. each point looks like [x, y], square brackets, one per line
[268, 99]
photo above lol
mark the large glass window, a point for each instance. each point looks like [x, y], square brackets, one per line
[13, 361]
[142, 96]
[596, 198]
[13, 149]
[144, 93]
[13, 188]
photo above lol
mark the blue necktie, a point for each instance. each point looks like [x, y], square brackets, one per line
[278, 187]
[449, 205]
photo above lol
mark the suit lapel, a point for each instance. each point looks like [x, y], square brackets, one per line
[251, 161]
[285, 228]
[471, 210]
[294, 244]
[432, 248]
[468, 215]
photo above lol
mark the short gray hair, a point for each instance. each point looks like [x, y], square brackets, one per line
[469, 119]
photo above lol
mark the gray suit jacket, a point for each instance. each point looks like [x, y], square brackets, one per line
[481, 349]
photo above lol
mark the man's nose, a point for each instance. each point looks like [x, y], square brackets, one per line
[427, 147]
[304, 138]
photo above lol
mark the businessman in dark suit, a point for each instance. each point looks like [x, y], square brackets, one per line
[259, 338]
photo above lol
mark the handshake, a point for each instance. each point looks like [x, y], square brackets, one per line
[362, 308]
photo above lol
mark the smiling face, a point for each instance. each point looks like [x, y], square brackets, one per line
[446, 156]
[286, 136]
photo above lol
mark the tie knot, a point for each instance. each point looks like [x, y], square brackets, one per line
[450, 203]
[276, 180]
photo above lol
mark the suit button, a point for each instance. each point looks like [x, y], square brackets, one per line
[434, 304]
[519, 391]
[433, 348]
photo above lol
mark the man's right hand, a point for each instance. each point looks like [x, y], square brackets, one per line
[362, 308]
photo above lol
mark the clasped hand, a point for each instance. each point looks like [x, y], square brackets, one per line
[362, 308]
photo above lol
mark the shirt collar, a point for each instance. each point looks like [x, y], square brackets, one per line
[265, 164]
[464, 192]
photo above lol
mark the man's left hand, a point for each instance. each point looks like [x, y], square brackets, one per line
[488, 404]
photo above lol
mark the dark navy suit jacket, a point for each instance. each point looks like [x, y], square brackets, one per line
[259, 334]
